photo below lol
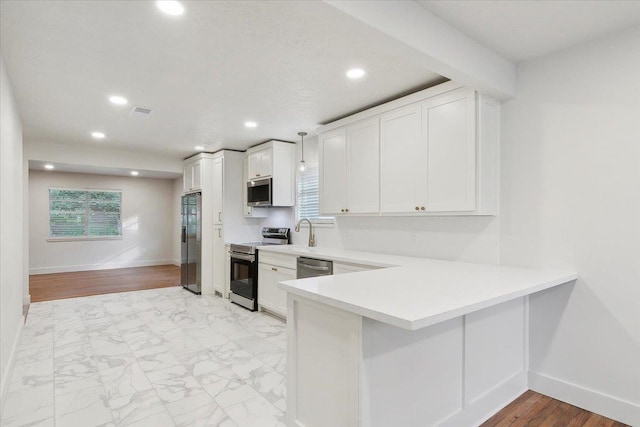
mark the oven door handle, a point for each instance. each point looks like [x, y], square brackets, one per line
[243, 257]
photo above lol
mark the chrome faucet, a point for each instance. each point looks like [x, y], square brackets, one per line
[312, 238]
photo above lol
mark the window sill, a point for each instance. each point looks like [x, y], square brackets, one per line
[82, 239]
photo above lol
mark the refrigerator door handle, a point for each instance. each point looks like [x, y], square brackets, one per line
[184, 234]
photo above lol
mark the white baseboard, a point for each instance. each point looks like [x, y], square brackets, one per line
[6, 377]
[104, 266]
[26, 300]
[177, 262]
[591, 400]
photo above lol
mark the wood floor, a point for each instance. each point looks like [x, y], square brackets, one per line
[47, 287]
[532, 409]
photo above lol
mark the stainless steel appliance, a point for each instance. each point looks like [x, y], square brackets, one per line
[311, 267]
[191, 261]
[259, 192]
[244, 266]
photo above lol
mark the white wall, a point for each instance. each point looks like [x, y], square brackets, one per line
[148, 217]
[176, 220]
[12, 277]
[571, 200]
[473, 239]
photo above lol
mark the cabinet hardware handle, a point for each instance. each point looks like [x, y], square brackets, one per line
[257, 174]
[417, 208]
[220, 232]
[341, 210]
[274, 269]
[219, 216]
[422, 208]
[346, 210]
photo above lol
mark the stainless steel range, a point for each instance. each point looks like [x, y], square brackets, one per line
[244, 266]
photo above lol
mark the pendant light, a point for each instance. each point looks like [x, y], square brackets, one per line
[302, 165]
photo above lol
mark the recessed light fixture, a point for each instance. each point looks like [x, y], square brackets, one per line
[118, 100]
[98, 135]
[171, 7]
[355, 73]
[199, 147]
[250, 124]
[48, 166]
[135, 173]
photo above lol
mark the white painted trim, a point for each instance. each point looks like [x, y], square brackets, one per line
[6, 378]
[594, 401]
[176, 262]
[454, 55]
[105, 266]
[26, 300]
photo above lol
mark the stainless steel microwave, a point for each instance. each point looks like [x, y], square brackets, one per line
[259, 192]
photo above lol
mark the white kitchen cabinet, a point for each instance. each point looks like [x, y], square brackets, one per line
[438, 155]
[250, 211]
[260, 163]
[403, 155]
[219, 260]
[333, 161]
[449, 132]
[218, 189]
[350, 169]
[270, 296]
[275, 160]
[192, 176]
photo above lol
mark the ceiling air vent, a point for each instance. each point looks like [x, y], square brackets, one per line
[140, 112]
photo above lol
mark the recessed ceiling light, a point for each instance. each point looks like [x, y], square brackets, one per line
[199, 147]
[118, 100]
[250, 124]
[355, 73]
[135, 173]
[98, 135]
[48, 166]
[170, 7]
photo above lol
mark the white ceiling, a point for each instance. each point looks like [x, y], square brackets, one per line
[524, 29]
[279, 63]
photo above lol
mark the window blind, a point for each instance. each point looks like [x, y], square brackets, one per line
[308, 196]
[84, 213]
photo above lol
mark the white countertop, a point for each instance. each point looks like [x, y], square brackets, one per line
[413, 293]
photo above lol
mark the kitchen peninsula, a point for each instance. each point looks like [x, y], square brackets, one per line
[412, 342]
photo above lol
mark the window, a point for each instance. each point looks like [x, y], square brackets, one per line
[308, 197]
[78, 214]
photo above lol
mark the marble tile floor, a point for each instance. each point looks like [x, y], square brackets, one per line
[156, 358]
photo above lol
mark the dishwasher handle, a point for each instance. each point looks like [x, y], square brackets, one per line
[313, 267]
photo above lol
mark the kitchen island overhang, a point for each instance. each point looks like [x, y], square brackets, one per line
[428, 343]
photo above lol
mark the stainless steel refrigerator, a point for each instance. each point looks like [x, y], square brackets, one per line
[191, 246]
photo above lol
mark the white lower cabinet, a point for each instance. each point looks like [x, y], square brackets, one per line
[219, 260]
[270, 296]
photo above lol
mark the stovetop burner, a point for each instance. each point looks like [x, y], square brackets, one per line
[270, 236]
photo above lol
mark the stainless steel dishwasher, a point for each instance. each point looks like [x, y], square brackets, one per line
[311, 267]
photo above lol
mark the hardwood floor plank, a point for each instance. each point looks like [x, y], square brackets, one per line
[533, 409]
[48, 287]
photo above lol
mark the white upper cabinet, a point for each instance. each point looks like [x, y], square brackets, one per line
[275, 160]
[260, 163]
[449, 132]
[333, 146]
[350, 169]
[403, 155]
[434, 152]
[192, 176]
